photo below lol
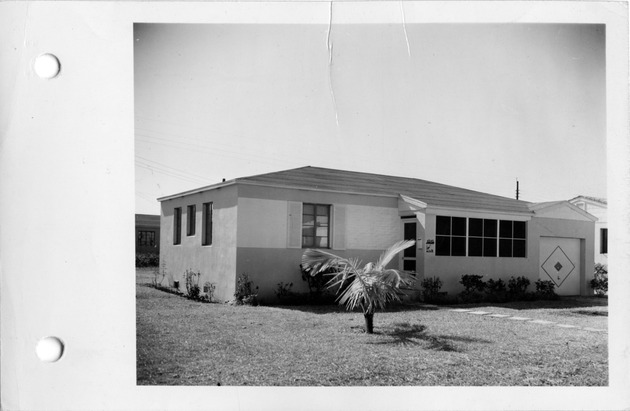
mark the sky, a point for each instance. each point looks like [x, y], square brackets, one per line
[476, 106]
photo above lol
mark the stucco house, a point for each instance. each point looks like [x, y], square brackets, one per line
[260, 225]
[599, 208]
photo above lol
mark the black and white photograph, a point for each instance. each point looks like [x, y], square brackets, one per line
[314, 205]
[371, 204]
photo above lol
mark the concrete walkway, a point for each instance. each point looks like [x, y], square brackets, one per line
[524, 319]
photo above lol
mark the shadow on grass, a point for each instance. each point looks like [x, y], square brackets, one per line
[335, 308]
[407, 334]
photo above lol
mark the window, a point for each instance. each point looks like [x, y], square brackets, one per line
[206, 235]
[482, 237]
[603, 241]
[450, 236]
[315, 226]
[190, 220]
[512, 238]
[146, 238]
[177, 226]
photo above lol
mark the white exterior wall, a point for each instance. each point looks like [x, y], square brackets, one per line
[601, 212]
[372, 228]
[263, 231]
[215, 262]
[560, 223]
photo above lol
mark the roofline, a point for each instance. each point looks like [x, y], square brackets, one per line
[590, 199]
[430, 207]
[556, 204]
[197, 190]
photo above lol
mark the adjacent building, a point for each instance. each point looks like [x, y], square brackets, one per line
[147, 233]
[260, 225]
[599, 208]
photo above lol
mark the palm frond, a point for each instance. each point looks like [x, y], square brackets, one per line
[371, 287]
[391, 252]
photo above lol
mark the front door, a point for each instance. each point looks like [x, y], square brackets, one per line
[410, 254]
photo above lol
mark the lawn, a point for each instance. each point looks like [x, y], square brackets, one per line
[181, 342]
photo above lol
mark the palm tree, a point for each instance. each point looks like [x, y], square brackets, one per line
[371, 286]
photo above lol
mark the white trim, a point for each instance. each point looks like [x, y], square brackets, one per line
[480, 213]
[197, 190]
[544, 208]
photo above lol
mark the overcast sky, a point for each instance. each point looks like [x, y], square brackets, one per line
[471, 105]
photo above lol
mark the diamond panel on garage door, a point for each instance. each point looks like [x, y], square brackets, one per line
[558, 266]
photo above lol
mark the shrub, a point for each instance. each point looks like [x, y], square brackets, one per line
[191, 279]
[473, 288]
[147, 259]
[244, 293]
[517, 287]
[317, 285]
[159, 275]
[472, 283]
[599, 283]
[208, 290]
[496, 290]
[431, 290]
[546, 290]
[284, 290]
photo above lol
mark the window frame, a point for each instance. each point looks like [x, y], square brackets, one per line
[207, 223]
[177, 226]
[152, 242]
[314, 237]
[603, 240]
[487, 238]
[449, 238]
[191, 220]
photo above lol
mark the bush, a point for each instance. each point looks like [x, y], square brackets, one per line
[517, 287]
[288, 297]
[431, 290]
[208, 290]
[496, 291]
[472, 283]
[474, 287]
[599, 283]
[546, 290]
[191, 279]
[244, 293]
[159, 275]
[147, 260]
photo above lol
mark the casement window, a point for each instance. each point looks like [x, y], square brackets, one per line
[480, 237]
[146, 238]
[191, 210]
[315, 225]
[512, 238]
[206, 235]
[450, 236]
[603, 241]
[177, 226]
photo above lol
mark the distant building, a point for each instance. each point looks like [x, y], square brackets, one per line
[147, 233]
[599, 208]
[261, 225]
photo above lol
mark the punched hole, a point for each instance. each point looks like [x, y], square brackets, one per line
[47, 66]
[49, 349]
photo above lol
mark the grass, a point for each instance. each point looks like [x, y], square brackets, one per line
[182, 342]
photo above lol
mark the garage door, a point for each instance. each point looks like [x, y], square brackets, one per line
[560, 263]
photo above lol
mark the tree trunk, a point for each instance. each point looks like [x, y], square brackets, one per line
[369, 322]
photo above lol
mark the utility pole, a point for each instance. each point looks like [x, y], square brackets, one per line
[517, 192]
